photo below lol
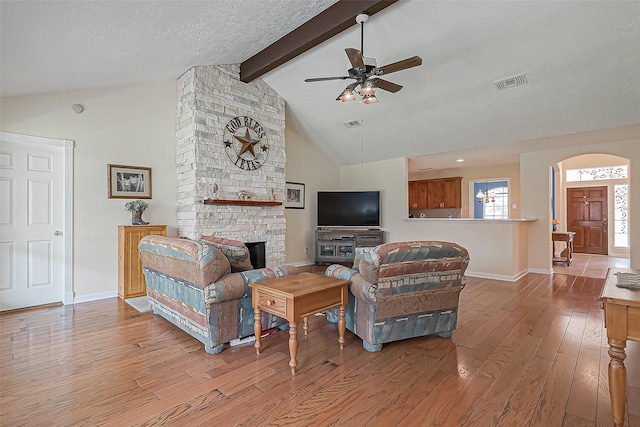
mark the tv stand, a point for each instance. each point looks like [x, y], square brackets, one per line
[341, 245]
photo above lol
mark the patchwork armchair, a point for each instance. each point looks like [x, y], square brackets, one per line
[191, 284]
[403, 290]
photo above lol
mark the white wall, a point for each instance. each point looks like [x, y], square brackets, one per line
[308, 165]
[127, 125]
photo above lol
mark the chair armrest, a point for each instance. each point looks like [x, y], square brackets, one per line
[359, 287]
[236, 285]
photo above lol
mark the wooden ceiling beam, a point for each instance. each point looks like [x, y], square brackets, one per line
[337, 18]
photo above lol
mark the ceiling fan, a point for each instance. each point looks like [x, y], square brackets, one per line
[366, 73]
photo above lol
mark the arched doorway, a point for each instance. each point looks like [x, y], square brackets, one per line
[592, 199]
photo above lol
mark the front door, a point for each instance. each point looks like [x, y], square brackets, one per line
[32, 252]
[587, 216]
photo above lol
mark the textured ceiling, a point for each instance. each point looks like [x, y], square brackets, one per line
[580, 57]
[58, 45]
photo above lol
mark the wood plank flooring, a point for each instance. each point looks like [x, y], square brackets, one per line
[530, 353]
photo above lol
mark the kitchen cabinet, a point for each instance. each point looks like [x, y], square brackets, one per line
[441, 193]
[417, 194]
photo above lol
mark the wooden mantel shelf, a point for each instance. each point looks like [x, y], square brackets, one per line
[242, 202]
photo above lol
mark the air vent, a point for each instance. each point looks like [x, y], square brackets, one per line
[352, 123]
[509, 82]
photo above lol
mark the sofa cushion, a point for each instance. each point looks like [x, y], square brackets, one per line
[236, 252]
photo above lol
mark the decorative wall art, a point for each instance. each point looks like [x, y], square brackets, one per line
[128, 182]
[294, 195]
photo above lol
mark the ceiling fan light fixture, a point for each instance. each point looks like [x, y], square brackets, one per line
[368, 87]
[347, 96]
[369, 99]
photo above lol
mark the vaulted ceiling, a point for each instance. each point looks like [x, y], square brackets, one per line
[581, 61]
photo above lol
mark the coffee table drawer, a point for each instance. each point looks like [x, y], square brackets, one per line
[272, 303]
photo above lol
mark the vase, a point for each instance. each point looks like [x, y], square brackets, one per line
[136, 218]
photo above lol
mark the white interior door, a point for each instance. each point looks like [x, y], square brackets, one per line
[32, 246]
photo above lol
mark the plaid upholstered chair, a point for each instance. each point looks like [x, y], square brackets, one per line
[403, 290]
[192, 284]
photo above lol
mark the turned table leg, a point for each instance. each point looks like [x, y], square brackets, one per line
[293, 346]
[617, 380]
[257, 328]
[341, 326]
[305, 325]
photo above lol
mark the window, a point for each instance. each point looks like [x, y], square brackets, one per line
[595, 174]
[620, 216]
[498, 205]
[491, 200]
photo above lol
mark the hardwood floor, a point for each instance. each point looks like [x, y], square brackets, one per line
[530, 353]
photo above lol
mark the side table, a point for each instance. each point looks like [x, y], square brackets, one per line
[558, 236]
[622, 320]
[295, 297]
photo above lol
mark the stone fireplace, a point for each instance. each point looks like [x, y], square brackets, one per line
[209, 98]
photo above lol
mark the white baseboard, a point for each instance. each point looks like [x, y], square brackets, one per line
[301, 263]
[505, 278]
[94, 297]
[482, 275]
[540, 271]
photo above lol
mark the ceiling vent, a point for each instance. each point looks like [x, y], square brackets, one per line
[352, 123]
[513, 81]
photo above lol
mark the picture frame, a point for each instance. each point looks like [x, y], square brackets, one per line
[128, 182]
[294, 195]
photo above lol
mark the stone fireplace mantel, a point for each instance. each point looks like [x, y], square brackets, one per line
[241, 202]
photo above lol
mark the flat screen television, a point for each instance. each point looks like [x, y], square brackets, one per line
[348, 209]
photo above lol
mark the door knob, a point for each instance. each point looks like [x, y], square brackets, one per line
[57, 233]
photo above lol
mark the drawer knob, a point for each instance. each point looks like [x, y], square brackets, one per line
[270, 302]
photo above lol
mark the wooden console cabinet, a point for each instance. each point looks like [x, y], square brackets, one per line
[340, 245]
[441, 193]
[131, 281]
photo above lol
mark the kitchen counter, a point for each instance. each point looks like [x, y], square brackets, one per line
[498, 248]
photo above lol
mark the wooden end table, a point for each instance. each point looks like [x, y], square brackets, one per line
[559, 236]
[622, 320]
[294, 297]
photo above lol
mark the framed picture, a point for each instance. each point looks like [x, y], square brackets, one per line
[129, 182]
[294, 195]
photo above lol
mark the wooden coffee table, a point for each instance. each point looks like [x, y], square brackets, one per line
[294, 297]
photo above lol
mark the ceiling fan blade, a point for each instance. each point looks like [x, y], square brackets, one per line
[355, 57]
[388, 86]
[322, 79]
[400, 65]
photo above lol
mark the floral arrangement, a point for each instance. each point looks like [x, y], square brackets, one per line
[136, 205]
